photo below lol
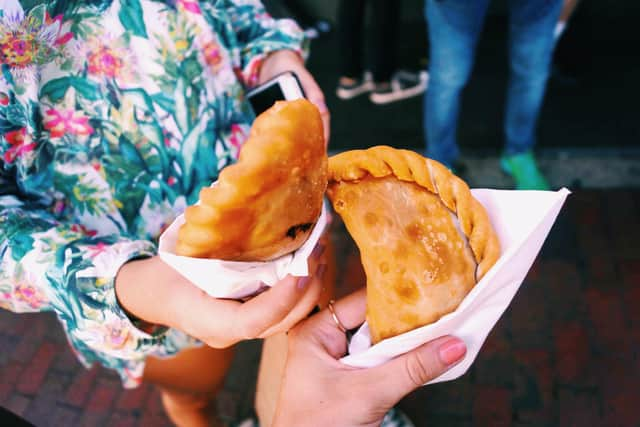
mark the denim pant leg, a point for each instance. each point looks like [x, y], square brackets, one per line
[453, 27]
[531, 42]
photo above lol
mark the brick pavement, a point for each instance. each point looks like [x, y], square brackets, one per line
[566, 353]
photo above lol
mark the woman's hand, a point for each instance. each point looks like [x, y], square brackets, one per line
[154, 292]
[288, 60]
[319, 390]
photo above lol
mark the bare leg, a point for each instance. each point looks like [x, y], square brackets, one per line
[189, 383]
[274, 352]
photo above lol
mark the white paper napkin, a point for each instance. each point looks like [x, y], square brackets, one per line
[232, 279]
[522, 220]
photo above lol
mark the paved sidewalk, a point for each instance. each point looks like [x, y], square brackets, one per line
[567, 351]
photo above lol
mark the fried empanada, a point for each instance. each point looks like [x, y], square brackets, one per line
[266, 204]
[424, 240]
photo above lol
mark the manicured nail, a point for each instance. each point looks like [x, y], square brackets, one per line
[322, 268]
[452, 351]
[303, 282]
[318, 251]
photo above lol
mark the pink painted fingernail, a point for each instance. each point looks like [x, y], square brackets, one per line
[452, 351]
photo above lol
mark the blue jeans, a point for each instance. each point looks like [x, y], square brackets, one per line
[454, 27]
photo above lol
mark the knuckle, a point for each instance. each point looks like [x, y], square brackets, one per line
[417, 371]
[284, 306]
[247, 330]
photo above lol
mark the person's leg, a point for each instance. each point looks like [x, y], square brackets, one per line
[350, 26]
[531, 41]
[384, 38]
[189, 383]
[453, 29]
[353, 80]
[274, 351]
[390, 83]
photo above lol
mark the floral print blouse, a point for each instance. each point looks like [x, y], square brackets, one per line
[113, 114]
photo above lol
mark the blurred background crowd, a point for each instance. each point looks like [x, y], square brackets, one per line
[586, 134]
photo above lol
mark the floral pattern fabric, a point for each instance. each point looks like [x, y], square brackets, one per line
[113, 114]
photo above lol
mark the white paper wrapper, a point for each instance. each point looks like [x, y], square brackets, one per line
[522, 220]
[232, 279]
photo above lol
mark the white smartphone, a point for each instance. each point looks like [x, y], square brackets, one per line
[285, 86]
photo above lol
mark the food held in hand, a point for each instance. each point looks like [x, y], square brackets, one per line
[266, 204]
[424, 240]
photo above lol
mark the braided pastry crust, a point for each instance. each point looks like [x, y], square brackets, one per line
[265, 205]
[424, 240]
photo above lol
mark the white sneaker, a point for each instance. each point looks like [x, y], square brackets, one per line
[249, 422]
[403, 85]
[359, 87]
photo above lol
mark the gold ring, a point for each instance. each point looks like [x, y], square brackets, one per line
[335, 317]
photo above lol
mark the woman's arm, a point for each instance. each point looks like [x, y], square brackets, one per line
[258, 35]
[287, 60]
[153, 292]
[47, 264]
[269, 47]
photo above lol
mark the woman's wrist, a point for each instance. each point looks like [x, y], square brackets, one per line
[277, 62]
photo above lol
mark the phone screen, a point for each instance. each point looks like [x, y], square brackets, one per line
[265, 99]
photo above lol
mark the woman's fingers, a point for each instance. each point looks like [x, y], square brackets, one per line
[311, 89]
[287, 60]
[317, 269]
[315, 95]
[303, 308]
[222, 322]
[255, 316]
[204, 317]
[411, 370]
[349, 311]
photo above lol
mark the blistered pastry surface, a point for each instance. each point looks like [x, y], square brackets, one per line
[424, 240]
[418, 265]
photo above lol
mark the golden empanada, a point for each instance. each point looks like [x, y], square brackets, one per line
[424, 240]
[266, 204]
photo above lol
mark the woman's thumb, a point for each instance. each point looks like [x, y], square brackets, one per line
[411, 370]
